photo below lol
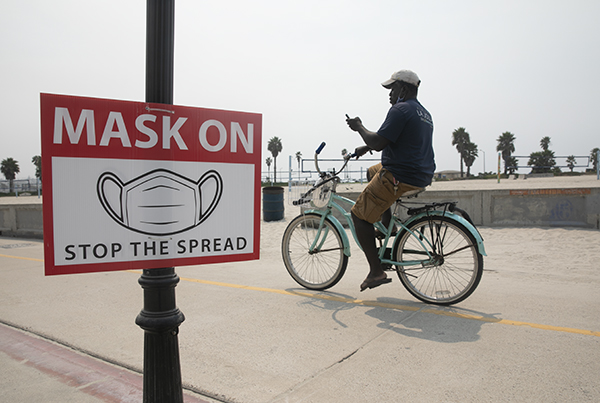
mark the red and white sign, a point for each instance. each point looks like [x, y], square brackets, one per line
[133, 185]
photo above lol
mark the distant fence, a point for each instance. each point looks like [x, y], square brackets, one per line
[356, 170]
[559, 164]
[31, 185]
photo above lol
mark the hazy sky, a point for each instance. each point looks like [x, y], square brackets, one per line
[528, 67]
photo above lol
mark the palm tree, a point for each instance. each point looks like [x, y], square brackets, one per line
[460, 138]
[506, 146]
[542, 161]
[275, 148]
[298, 158]
[545, 143]
[594, 157]
[513, 164]
[571, 162]
[268, 162]
[9, 169]
[37, 161]
[470, 153]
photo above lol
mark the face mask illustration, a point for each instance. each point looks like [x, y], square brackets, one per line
[160, 202]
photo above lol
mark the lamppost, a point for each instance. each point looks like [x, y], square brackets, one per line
[483, 161]
[160, 318]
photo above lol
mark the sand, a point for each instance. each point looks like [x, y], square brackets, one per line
[558, 182]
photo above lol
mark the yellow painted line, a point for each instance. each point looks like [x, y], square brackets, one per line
[22, 258]
[513, 322]
[326, 297]
[548, 327]
[433, 311]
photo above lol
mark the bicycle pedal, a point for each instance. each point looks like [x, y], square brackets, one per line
[387, 267]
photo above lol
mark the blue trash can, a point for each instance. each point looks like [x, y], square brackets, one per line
[272, 203]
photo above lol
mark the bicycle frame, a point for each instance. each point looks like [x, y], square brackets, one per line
[327, 213]
[438, 251]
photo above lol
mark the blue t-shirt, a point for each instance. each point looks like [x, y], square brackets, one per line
[409, 156]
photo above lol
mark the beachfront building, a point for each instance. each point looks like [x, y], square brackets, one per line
[449, 174]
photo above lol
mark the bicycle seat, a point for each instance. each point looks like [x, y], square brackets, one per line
[411, 193]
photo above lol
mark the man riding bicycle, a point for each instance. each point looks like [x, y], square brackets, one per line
[407, 164]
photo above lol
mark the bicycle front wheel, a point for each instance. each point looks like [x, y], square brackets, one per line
[313, 254]
[447, 263]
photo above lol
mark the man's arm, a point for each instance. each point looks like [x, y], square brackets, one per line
[371, 139]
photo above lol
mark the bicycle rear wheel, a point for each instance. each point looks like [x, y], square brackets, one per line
[456, 266]
[322, 267]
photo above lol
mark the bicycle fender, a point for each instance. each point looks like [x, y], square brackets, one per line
[336, 223]
[458, 218]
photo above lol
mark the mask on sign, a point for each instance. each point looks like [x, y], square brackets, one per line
[160, 202]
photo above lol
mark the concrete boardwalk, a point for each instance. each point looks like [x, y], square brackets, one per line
[531, 331]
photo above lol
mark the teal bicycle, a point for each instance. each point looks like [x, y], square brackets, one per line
[437, 251]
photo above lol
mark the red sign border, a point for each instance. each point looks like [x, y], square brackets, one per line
[48, 102]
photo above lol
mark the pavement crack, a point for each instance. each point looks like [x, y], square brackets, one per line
[343, 359]
[283, 396]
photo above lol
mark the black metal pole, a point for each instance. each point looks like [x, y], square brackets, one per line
[160, 318]
[160, 44]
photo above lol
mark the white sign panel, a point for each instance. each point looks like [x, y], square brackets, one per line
[132, 185]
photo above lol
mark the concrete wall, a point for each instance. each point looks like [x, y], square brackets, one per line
[572, 207]
[21, 220]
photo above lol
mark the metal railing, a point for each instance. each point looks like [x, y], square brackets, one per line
[20, 186]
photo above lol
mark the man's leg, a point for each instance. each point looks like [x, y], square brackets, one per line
[364, 212]
[365, 233]
[386, 217]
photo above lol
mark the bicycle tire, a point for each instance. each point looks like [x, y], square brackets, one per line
[456, 270]
[317, 270]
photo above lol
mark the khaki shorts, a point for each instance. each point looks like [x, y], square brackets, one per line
[379, 195]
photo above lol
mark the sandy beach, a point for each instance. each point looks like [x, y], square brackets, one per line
[557, 182]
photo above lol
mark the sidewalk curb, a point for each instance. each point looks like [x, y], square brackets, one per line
[88, 374]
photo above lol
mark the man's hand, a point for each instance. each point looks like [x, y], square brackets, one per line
[354, 123]
[361, 150]
[371, 139]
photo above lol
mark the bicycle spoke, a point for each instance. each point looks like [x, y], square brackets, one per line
[447, 277]
[321, 267]
[457, 250]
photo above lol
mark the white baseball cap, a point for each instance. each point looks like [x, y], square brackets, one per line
[406, 76]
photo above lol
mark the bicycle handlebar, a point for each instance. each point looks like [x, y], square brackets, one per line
[321, 147]
[317, 152]
[324, 178]
[347, 158]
